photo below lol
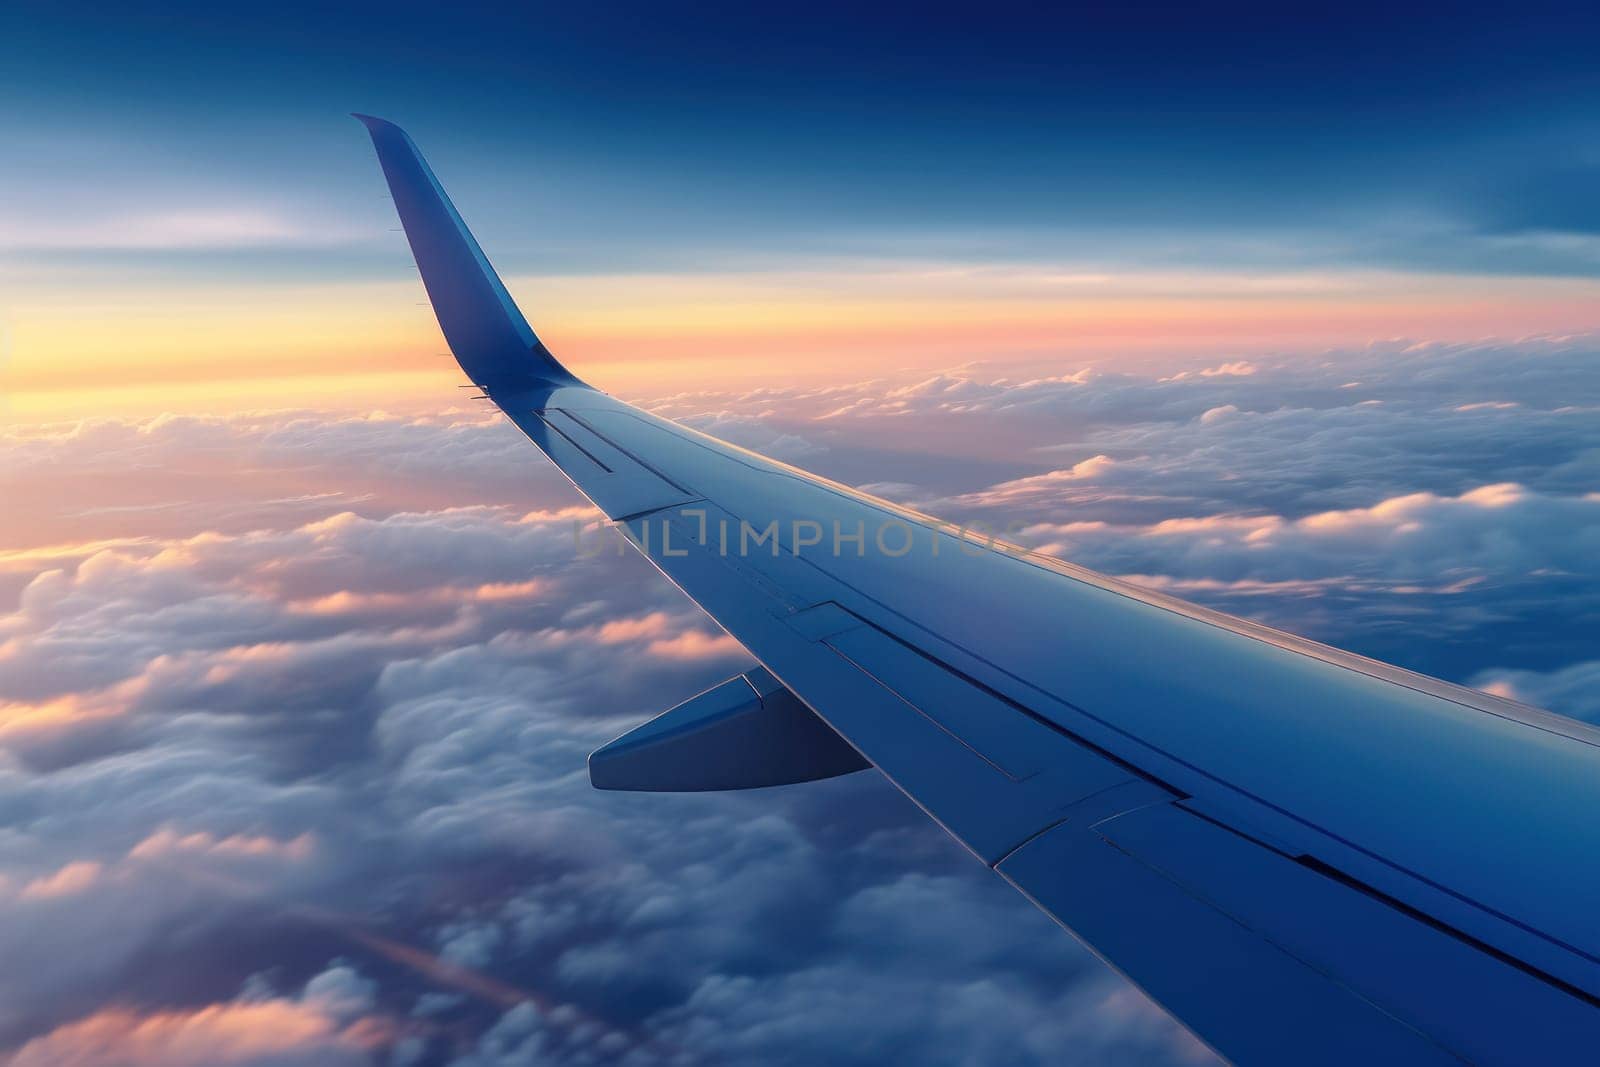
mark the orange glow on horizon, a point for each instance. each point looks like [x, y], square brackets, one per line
[354, 345]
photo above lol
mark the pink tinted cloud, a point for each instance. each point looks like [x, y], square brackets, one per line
[70, 880]
[217, 1035]
[696, 645]
[666, 638]
[167, 842]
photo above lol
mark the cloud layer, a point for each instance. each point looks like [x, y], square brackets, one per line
[294, 708]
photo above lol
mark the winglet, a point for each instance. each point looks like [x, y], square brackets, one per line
[491, 340]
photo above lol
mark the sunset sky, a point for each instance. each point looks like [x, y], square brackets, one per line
[1293, 315]
[192, 221]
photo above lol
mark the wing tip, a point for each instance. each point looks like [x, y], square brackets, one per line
[487, 332]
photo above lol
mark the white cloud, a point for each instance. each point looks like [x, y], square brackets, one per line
[354, 722]
[185, 229]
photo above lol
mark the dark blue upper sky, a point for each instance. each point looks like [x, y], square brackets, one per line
[1434, 140]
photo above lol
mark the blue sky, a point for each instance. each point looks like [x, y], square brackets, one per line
[636, 134]
[736, 190]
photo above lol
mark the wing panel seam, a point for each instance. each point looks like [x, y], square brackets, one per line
[568, 438]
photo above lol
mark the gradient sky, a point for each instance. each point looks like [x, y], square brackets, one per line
[191, 220]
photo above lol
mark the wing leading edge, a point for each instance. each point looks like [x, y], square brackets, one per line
[1303, 855]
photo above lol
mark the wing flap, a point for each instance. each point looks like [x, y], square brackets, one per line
[1238, 992]
[1207, 920]
[1417, 970]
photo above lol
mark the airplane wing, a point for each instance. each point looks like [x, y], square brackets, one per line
[1305, 856]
